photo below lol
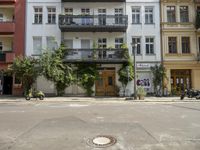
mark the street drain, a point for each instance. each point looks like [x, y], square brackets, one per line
[102, 141]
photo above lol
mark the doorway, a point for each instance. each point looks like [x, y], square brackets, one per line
[7, 85]
[180, 80]
[105, 85]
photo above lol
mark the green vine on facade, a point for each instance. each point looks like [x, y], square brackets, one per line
[87, 75]
[126, 72]
[159, 73]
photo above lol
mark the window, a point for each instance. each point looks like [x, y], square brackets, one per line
[102, 43]
[17, 80]
[38, 15]
[51, 43]
[149, 45]
[68, 43]
[69, 19]
[185, 45]
[171, 14]
[37, 45]
[184, 16]
[137, 40]
[69, 11]
[118, 42]
[172, 43]
[148, 15]
[1, 17]
[136, 15]
[118, 16]
[51, 15]
[102, 16]
[1, 46]
[85, 11]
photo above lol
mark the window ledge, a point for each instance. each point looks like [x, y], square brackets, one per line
[136, 23]
[50, 23]
[37, 23]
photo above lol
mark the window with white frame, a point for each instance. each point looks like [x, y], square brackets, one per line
[51, 15]
[85, 11]
[102, 43]
[37, 45]
[149, 42]
[102, 16]
[1, 46]
[1, 17]
[38, 16]
[149, 15]
[136, 15]
[172, 44]
[51, 43]
[118, 42]
[136, 41]
[171, 13]
[68, 11]
[185, 45]
[69, 18]
[118, 15]
[184, 14]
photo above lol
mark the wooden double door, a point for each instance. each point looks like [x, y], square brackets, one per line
[180, 80]
[105, 85]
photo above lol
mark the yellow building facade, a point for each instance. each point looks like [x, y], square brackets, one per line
[180, 44]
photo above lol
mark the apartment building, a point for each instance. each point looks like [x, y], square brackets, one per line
[85, 25]
[12, 31]
[143, 35]
[179, 44]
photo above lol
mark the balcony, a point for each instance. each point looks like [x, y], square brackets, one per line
[7, 27]
[7, 1]
[197, 1]
[92, 23]
[93, 1]
[103, 56]
[7, 57]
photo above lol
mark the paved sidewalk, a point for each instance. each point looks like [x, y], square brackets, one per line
[98, 99]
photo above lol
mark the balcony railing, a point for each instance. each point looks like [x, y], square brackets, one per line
[7, 56]
[2, 57]
[7, 27]
[92, 23]
[93, 0]
[7, 1]
[108, 56]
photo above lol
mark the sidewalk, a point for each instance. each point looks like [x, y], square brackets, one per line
[4, 99]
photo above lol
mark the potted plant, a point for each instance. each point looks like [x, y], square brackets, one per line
[141, 93]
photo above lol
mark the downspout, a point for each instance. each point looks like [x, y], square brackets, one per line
[161, 43]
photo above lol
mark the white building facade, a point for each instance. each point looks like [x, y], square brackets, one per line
[144, 31]
[83, 26]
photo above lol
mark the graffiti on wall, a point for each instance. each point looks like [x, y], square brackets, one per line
[144, 82]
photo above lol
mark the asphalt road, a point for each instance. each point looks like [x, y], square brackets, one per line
[72, 126]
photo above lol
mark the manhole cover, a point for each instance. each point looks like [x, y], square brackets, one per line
[102, 141]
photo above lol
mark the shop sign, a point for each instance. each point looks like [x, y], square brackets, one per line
[143, 65]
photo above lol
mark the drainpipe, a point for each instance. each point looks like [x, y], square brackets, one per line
[161, 42]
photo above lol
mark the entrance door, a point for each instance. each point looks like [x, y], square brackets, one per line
[105, 85]
[7, 85]
[180, 80]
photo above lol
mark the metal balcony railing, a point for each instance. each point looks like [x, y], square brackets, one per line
[96, 55]
[93, 23]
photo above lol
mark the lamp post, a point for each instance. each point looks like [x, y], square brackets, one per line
[134, 47]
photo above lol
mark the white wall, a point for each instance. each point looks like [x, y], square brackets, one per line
[44, 29]
[110, 7]
[93, 37]
[142, 30]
